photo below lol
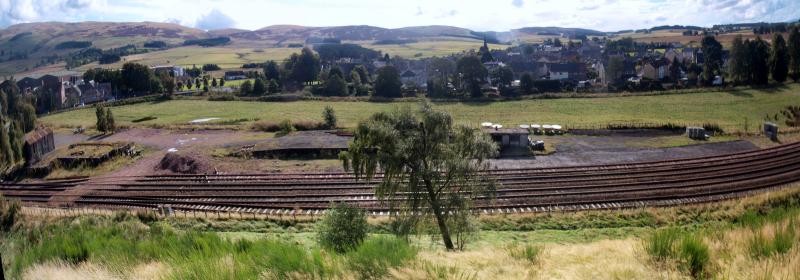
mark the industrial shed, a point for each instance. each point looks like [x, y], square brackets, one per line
[38, 143]
[305, 144]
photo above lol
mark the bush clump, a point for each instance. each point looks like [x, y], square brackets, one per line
[343, 228]
[9, 213]
[287, 126]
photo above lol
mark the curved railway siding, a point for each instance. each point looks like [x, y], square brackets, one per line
[519, 190]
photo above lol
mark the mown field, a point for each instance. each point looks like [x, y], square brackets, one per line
[730, 110]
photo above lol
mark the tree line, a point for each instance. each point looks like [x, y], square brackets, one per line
[133, 80]
[753, 62]
[17, 117]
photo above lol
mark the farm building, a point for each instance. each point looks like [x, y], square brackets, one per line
[304, 144]
[38, 143]
[235, 75]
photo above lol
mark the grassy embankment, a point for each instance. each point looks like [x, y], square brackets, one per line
[752, 238]
[731, 110]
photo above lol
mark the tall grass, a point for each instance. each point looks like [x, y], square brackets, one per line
[530, 253]
[780, 242]
[660, 245]
[694, 255]
[374, 258]
[190, 255]
[689, 250]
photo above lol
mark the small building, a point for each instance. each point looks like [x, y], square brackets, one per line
[512, 141]
[771, 131]
[235, 75]
[38, 143]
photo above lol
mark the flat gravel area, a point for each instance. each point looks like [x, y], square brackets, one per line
[592, 151]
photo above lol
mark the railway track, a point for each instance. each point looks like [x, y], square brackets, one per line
[518, 190]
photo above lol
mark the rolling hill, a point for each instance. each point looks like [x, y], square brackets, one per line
[33, 49]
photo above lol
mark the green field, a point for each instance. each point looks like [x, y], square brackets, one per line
[225, 57]
[429, 48]
[731, 110]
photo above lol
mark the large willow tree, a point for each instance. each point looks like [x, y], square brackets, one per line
[431, 168]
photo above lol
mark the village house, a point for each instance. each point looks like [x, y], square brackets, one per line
[411, 77]
[656, 69]
[566, 71]
[172, 70]
[235, 75]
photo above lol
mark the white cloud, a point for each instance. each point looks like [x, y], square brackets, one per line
[215, 20]
[19, 11]
[606, 15]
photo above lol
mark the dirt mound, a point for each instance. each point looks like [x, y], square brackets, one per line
[182, 164]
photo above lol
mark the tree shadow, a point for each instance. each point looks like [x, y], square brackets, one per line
[772, 88]
[100, 137]
[739, 93]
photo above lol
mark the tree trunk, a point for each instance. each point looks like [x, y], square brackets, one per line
[440, 220]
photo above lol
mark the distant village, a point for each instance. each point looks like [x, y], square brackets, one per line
[567, 63]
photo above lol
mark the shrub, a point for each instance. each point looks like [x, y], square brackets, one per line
[660, 244]
[9, 213]
[464, 227]
[343, 228]
[147, 217]
[713, 129]
[266, 126]
[307, 125]
[330, 117]
[222, 97]
[694, 255]
[376, 256]
[529, 253]
[285, 127]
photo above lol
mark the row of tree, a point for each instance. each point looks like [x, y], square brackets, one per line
[754, 61]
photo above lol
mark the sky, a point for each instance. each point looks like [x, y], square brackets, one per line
[494, 15]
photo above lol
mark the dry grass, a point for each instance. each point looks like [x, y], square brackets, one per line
[605, 259]
[90, 271]
[732, 259]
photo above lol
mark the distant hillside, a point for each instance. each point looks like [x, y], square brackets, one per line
[558, 31]
[32, 45]
[24, 47]
[351, 33]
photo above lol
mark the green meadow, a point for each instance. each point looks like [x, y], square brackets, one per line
[731, 110]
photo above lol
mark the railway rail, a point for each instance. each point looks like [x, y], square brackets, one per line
[656, 183]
